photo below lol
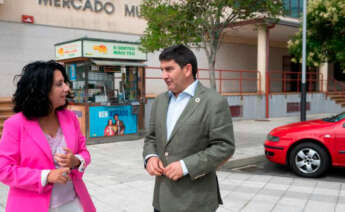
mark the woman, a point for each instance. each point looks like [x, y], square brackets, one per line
[42, 150]
[108, 130]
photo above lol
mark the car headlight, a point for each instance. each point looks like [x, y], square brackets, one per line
[272, 138]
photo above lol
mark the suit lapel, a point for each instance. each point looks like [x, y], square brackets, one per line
[164, 107]
[67, 129]
[189, 109]
[37, 135]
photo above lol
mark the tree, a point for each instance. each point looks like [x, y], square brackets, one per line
[325, 34]
[199, 23]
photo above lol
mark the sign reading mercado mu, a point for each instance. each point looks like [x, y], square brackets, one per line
[98, 49]
[94, 5]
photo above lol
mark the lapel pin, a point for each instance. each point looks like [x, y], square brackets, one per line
[197, 100]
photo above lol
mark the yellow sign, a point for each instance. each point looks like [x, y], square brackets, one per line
[68, 50]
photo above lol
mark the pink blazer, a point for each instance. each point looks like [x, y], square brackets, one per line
[25, 152]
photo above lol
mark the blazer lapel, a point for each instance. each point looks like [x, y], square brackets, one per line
[67, 129]
[164, 107]
[189, 109]
[37, 135]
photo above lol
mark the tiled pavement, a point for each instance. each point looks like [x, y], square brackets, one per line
[118, 183]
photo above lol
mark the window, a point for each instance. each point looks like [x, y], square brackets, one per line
[293, 8]
[104, 85]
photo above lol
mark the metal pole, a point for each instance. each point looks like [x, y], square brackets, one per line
[304, 52]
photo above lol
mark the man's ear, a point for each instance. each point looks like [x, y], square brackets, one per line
[188, 70]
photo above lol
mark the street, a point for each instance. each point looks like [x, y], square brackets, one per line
[265, 167]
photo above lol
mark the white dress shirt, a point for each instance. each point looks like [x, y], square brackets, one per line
[175, 109]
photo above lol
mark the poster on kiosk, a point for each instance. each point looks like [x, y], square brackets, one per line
[112, 121]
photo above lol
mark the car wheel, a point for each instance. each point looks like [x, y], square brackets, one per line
[309, 160]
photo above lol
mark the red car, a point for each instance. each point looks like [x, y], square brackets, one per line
[310, 147]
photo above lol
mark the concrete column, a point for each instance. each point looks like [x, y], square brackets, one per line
[263, 45]
[323, 77]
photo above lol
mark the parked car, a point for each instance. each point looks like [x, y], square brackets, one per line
[309, 148]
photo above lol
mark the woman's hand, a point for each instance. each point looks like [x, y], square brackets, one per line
[60, 175]
[67, 160]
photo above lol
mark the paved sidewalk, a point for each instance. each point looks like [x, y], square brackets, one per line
[118, 182]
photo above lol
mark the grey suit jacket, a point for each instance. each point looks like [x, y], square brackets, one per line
[203, 138]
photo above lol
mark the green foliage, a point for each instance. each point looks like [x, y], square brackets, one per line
[163, 21]
[325, 33]
[194, 21]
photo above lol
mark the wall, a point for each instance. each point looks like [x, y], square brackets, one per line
[81, 14]
[276, 68]
[21, 43]
[318, 104]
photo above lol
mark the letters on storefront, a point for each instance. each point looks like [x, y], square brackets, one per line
[94, 6]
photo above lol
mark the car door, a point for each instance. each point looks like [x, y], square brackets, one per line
[340, 143]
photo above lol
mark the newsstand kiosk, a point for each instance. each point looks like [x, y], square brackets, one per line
[108, 86]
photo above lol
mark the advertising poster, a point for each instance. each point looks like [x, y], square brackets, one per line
[112, 121]
[72, 72]
[79, 110]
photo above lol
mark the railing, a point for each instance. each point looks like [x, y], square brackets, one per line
[291, 81]
[334, 85]
[239, 80]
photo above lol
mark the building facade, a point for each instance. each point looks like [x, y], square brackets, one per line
[253, 65]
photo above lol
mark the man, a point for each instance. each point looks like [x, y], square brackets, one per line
[190, 135]
[119, 127]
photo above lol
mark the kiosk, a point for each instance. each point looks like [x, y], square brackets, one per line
[108, 85]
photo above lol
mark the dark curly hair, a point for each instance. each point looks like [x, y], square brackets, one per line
[32, 94]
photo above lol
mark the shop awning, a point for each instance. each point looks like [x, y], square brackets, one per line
[116, 63]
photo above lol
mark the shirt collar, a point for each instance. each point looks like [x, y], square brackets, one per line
[190, 90]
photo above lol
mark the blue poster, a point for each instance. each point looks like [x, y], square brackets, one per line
[72, 72]
[112, 121]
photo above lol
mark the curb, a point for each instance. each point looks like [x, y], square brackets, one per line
[113, 139]
[232, 164]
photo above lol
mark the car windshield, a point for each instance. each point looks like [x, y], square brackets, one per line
[335, 118]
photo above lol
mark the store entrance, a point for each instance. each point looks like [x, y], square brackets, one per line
[338, 73]
[114, 95]
[292, 73]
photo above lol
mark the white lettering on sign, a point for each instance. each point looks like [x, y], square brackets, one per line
[103, 114]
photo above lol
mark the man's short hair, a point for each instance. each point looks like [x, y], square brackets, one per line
[181, 55]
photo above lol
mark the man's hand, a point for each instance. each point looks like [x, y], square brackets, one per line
[67, 160]
[154, 166]
[60, 175]
[174, 171]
